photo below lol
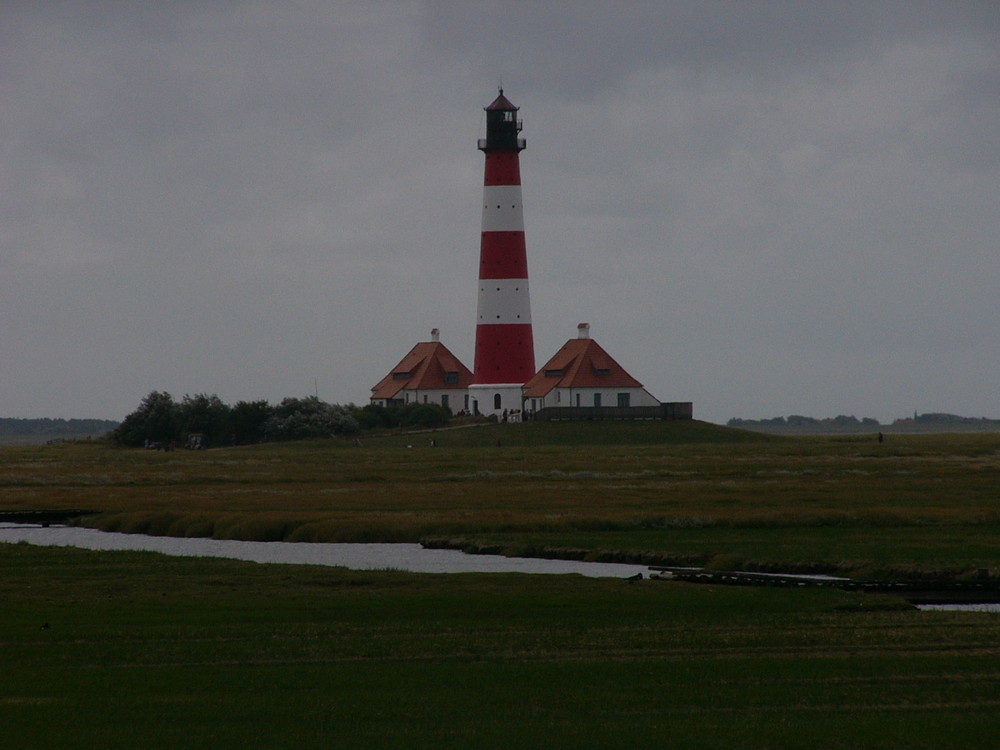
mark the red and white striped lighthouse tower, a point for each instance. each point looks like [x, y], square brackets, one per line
[505, 348]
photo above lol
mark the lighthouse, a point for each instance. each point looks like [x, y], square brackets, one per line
[581, 381]
[505, 349]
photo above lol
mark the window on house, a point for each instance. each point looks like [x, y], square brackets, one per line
[451, 378]
[553, 373]
[597, 399]
[496, 401]
[444, 400]
[602, 371]
[400, 375]
[623, 399]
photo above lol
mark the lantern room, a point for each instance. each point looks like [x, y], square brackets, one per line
[502, 126]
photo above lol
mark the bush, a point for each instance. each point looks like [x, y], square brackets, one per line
[160, 421]
[426, 415]
[298, 418]
[373, 417]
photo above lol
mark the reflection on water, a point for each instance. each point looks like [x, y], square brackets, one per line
[409, 557]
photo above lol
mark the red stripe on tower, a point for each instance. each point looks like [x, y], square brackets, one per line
[505, 348]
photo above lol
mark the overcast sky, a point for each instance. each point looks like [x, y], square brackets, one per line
[766, 208]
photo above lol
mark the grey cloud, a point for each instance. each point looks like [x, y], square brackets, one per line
[758, 206]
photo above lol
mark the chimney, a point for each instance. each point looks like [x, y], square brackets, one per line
[583, 331]
[435, 334]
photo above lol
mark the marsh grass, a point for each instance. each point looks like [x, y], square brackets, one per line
[116, 650]
[645, 491]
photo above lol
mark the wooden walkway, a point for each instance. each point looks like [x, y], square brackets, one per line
[982, 589]
[42, 517]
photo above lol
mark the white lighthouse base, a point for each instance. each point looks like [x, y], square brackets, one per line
[499, 399]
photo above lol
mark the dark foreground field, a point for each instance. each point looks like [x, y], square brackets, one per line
[106, 650]
[125, 650]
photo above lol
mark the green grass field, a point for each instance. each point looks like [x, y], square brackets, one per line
[121, 650]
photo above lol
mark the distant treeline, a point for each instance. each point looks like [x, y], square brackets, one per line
[54, 428]
[203, 420]
[797, 420]
[938, 418]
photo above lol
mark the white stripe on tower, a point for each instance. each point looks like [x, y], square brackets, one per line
[503, 302]
[502, 211]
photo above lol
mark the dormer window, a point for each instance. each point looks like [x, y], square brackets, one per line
[400, 375]
[451, 378]
[553, 373]
[602, 371]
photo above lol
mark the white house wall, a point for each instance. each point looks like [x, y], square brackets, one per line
[456, 397]
[609, 397]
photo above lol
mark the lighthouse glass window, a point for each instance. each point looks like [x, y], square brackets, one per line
[508, 117]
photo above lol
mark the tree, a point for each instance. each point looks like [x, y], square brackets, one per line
[845, 420]
[247, 420]
[208, 416]
[157, 420]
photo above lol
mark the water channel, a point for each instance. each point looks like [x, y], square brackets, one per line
[407, 557]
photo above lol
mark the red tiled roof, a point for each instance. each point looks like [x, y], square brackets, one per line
[580, 363]
[424, 368]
